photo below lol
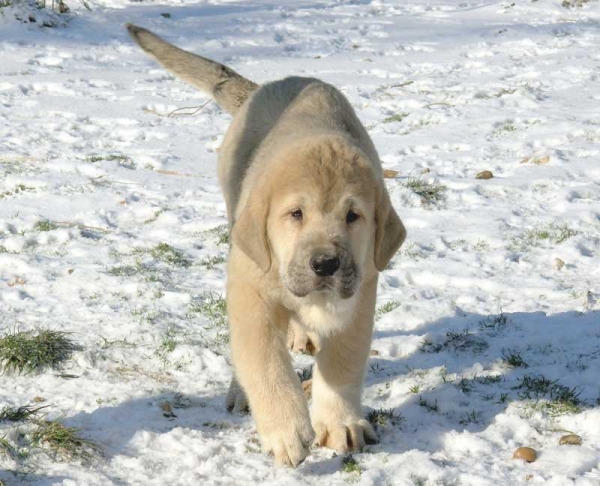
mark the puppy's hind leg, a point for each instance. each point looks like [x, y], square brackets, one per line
[236, 400]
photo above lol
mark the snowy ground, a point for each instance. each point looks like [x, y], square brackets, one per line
[94, 180]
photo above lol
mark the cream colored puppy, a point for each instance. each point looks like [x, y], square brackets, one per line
[311, 226]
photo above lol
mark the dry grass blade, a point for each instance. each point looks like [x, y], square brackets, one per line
[179, 111]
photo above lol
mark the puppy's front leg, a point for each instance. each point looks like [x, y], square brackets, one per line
[264, 369]
[337, 382]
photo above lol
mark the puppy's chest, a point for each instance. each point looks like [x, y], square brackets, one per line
[325, 317]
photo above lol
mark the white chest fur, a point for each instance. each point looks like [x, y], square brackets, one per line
[325, 314]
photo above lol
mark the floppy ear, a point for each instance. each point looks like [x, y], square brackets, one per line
[249, 231]
[389, 233]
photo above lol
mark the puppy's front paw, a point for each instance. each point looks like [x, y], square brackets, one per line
[289, 442]
[343, 436]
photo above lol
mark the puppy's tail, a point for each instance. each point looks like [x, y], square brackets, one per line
[227, 87]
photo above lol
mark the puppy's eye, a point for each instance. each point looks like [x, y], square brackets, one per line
[297, 214]
[351, 217]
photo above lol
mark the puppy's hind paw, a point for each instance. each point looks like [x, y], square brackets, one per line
[298, 341]
[236, 400]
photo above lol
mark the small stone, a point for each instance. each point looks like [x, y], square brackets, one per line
[166, 15]
[389, 173]
[70, 271]
[486, 174]
[558, 263]
[307, 388]
[570, 439]
[38, 399]
[374, 352]
[525, 453]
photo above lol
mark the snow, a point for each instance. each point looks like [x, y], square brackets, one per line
[480, 85]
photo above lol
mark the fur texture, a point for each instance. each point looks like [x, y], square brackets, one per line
[303, 185]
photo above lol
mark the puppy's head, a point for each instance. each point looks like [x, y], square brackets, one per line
[321, 217]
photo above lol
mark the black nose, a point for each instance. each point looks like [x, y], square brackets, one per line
[324, 266]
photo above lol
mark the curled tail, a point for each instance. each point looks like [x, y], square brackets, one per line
[227, 87]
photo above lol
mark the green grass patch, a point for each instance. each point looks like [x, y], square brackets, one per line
[412, 251]
[513, 359]
[395, 118]
[20, 414]
[488, 379]
[214, 307]
[481, 245]
[493, 323]
[432, 407]
[418, 480]
[549, 396]
[384, 416]
[456, 341]
[108, 157]
[28, 352]
[465, 385]
[429, 192]
[472, 417]
[574, 3]
[65, 442]
[350, 465]
[125, 270]
[221, 233]
[386, 308]
[504, 129]
[168, 342]
[7, 449]
[162, 253]
[212, 262]
[44, 225]
[167, 254]
[552, 233]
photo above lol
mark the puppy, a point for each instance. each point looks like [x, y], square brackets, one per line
[311, 226]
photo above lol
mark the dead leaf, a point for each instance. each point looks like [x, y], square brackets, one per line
[541, 160]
